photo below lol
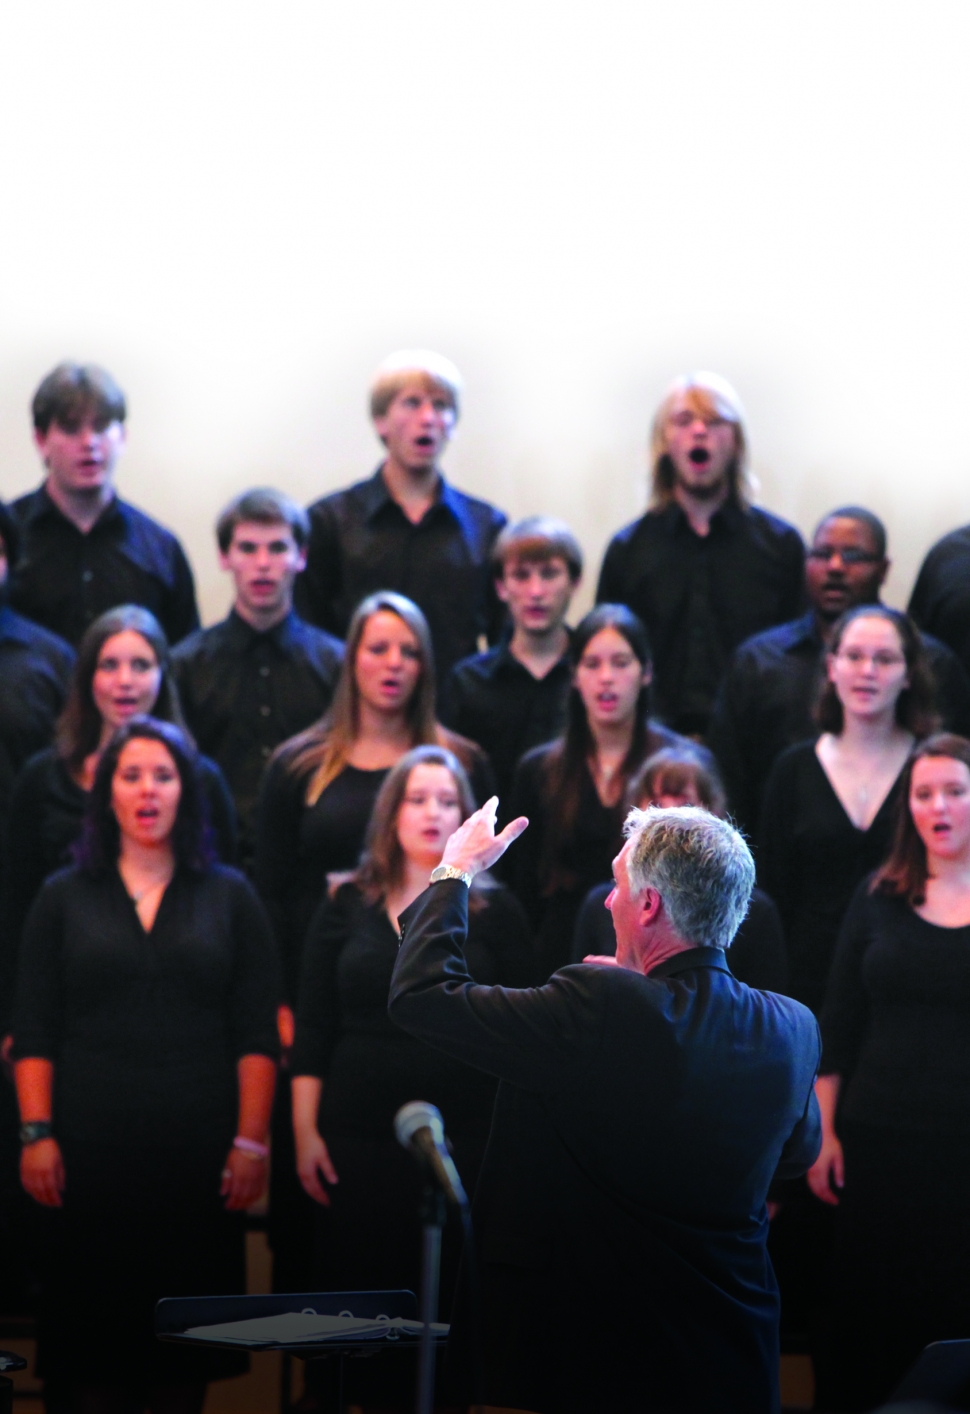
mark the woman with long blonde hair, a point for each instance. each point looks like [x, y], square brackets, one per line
[320, 786]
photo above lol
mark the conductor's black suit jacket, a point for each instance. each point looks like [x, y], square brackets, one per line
[620, 1212]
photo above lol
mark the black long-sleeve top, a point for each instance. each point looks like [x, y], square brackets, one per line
[361, 541]
[64, 578]
[298, 845]
[810, 859]
[494, 699]
[700, 596]
[896, 1021]
[756, 957]
[940, 602]
[48, 806]
[145, 1028]
[343, 1032]
[244, 693]
[766, 699]
[552, 896]
[35, 669]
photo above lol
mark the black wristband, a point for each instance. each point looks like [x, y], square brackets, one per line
[33, 1130]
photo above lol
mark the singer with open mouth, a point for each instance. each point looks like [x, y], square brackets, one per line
[703, 568]
[645, 1103]
[353, 1068]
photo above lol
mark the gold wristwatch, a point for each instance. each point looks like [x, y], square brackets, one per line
[448, 871]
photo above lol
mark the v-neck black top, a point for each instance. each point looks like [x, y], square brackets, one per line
[145, 1029]
[810, 860]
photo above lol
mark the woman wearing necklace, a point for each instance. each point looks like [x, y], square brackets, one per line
[573, 790]
[826, 824]
[894, 1092]
[828, 804]
[145, 1044]
[353, 1068]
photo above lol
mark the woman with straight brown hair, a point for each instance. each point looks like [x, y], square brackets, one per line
[894, 1091]
[573, 789]
[353, 1068]
[320, 787]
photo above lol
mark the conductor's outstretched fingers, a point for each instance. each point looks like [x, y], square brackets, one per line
[475, 846]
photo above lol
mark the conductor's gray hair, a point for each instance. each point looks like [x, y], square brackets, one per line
[699, 865]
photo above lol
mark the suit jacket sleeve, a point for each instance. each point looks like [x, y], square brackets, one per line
[803, 1144]
[533, 1037]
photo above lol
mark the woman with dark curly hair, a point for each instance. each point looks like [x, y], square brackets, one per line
[145, 1046]
[894, 1092]
[122, 670]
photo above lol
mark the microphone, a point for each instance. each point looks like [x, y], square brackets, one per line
[418, 1127]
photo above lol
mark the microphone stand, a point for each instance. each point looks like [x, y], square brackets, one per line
[433, 1215]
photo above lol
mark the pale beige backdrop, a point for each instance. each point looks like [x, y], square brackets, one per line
[239, 208]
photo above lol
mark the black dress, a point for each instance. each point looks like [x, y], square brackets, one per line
[370, 1236]
[48, 807]
[896, 1028]
[810, 859]
[756, 957]
[144, 1031]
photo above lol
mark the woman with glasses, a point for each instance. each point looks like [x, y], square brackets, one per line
[826, 824]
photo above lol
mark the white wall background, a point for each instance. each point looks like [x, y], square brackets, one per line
[240, 208]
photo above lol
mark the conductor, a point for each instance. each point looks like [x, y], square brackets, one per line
[645, 1105]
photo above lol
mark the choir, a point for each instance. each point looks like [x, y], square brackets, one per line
[207, 836]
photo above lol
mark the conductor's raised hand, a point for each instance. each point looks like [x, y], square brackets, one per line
[475, 846]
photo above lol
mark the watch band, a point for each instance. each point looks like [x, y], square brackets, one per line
[448, 871]
[33, 1130]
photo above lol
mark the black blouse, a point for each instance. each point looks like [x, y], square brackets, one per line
[343, 1032]
[810, 859]
[298, 845]
[896, 1021]
[145, 1028]
[586, 857]
[48, 807]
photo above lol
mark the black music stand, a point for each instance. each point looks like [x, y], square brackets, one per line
[176, 1314]
[8, 1361]
[941, 1375]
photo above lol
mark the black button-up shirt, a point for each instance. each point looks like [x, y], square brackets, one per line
[65, 579]
[766, 702]
[35, 668]
[494, 699]
[361, 541]
[940, 602]
[700, 596]
[244, 692]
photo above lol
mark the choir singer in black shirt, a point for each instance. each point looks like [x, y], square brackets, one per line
[514, 696]
[704, 568]
[262, 674]
[84, 550]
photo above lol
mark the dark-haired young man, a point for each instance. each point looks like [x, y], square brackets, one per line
[84, 549]
[766, 700]
[704, 569]
[262, 674]
[406, 528]
[514, 696]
